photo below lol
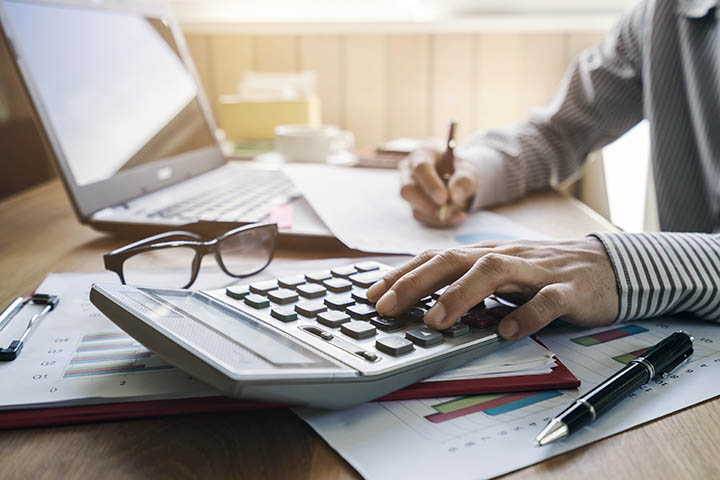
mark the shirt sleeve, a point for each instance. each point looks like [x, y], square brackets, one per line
[599, 99]
[665, 273]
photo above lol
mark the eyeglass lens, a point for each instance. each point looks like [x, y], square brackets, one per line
[175, 264]
[247, 251]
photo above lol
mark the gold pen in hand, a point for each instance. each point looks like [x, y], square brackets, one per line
[445, 167]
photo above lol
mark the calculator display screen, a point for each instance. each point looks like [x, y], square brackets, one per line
[228, 335]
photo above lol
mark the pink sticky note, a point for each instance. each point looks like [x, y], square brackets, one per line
[283, 216]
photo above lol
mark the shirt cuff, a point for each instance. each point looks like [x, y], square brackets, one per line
[664, 273]
[492, 176]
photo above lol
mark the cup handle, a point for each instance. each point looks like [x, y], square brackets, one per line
[343, 141]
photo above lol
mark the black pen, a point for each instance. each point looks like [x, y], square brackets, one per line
[656, 362]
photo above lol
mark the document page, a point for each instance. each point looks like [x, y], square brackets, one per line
[363, 209]
[483, 436]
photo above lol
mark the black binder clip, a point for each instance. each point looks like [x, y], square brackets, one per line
[48, 301]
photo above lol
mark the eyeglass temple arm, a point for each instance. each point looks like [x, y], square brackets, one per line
[153, 239]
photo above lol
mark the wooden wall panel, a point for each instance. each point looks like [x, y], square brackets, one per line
[453, 93]
[385, 86]
[201, 51]
[276, 53]
[232, 55]
[323, 55]
[365, 93]
[498, 79]
[408, 99]
[544, 66]
[577, 42]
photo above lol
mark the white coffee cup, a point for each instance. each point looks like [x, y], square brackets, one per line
[305, 143]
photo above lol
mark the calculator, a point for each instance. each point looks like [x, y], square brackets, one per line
[303, 340]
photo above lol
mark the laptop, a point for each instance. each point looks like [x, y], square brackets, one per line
[128, 126]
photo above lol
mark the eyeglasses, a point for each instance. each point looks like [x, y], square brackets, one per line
[241, 252]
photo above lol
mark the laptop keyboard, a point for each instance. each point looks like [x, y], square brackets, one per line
[235, 196]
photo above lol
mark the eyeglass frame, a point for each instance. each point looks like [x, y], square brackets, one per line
[115, 259]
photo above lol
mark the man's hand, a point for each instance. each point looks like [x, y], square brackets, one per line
[423, 188]
[572, 280]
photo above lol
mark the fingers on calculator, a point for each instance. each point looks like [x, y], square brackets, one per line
[333, 305]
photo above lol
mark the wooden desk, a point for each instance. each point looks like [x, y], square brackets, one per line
[39, 233]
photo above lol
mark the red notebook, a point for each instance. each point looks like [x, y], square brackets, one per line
[560, 377]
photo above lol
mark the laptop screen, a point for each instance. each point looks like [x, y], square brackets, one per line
[113, 85]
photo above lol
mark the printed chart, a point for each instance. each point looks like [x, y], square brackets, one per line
[483, 436]
[111, 352]
[76, 355]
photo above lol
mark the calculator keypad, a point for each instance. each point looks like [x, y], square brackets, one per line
[332, 307]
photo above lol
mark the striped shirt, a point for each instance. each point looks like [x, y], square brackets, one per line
[660, 62]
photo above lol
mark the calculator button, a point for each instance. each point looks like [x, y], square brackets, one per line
[395, 346]
[457, 330]
[285, 314]
[257, 301]
[291, 282]
[333, 318]
[369, 356]
[309, 309]
[415, 314]
[318, 332]
[238, 292]
[358, 330]
[424, 337]
[437, 294]
[318, 277]
[343, 272]
[478, 318]
[263, 288]
[367, 266]
[337, 285]
[311, 290]
[366, 279]
[361, 296]
[388, 324]
[339, 302]
[361, 311]
[283, 296]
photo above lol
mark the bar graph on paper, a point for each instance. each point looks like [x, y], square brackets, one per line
[592, 355]
[111, 352]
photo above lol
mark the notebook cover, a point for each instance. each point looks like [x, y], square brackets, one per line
[560, 377]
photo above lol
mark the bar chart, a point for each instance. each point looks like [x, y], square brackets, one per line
[492, 405]
[608, 335]
[105, 353]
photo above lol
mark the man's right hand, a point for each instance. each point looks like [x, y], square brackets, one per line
[425, 191]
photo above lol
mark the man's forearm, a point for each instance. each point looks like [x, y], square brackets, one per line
[665, 273]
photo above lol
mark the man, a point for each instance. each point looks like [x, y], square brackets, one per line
[660, 62]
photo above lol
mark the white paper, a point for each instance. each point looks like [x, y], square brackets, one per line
[484, 445]
[525, 357]
[363, 209]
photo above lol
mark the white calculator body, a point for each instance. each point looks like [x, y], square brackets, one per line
[303, 340]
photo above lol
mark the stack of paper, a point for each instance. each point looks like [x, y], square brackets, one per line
[525, 357]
